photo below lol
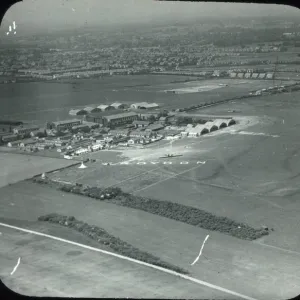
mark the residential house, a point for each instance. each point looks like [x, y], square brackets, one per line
[139, 134]
[141, 124]
[119, 132]
[170, 133]
[133, 141]
[80, 128]
[81, 151]
[96, 147]
[155, 127]
[13, 143]
[167, 119]
[27, 142]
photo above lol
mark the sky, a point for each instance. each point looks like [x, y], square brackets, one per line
[76, 13]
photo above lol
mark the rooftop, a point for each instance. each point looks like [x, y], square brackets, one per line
[141, 122]
[27, 126]
[122, 115]
[66, 122]
[105, 113]
[9, 122]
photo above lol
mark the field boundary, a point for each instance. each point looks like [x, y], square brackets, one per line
[192, 279]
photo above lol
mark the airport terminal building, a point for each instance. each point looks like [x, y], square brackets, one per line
[114, 119]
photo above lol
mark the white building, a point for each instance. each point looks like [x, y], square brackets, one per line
[105, 107]
[144, 105]
[118, 105]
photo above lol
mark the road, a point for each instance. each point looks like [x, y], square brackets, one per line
[57, 269]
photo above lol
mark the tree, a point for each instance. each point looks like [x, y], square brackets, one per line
[179, 121]
[41, 134]
[152, 118]
[163, 113]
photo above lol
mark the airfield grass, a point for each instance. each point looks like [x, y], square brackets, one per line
[175, 211]
[175, 242]
[103, 237]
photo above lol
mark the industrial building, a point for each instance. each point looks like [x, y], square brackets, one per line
[115, 119]
[146, 114]
[77, 112]
[144, 105]
[63, 125]
[118, 105]
[105, 107]
[25, 129]
[120, 119]
[92, 109]
[8, 126]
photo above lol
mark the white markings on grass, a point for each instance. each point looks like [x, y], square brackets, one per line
[10, 29]
[139, 163]
[186, 277]
[15, 268]
[160, 181]
[254, 133]
[200, 250]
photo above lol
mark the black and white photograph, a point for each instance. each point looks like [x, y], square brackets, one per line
[150, 149]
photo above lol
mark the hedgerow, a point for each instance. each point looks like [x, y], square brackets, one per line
[175, 211]
[104, 238]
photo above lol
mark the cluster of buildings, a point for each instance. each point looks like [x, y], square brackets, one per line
[75, 137]
[270, 90]
[112, 107]
[210, 126]
[249, 75]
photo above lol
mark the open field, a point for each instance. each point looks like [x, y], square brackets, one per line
[56, 269]
[245, 267]
[16, 167]
[250, 175]
[115, 89]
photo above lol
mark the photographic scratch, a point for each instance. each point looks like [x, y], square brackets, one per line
[15, 268]
[200, 251]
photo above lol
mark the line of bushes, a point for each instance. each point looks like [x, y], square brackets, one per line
[191, 215]
[175, 211]
[104, 238]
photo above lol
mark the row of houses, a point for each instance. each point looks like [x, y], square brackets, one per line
[114, 106]
[252, 75]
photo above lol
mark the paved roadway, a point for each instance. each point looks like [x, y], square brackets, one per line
[53, 268]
